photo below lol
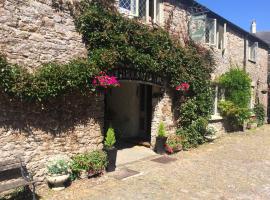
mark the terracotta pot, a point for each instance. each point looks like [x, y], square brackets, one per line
[57, 181]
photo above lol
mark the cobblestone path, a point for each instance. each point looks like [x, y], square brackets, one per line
[234, 167]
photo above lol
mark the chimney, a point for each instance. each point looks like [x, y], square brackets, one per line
[253, 28]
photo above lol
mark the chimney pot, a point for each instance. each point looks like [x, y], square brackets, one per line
[253, 28]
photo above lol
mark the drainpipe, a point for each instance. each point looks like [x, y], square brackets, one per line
[245, 52]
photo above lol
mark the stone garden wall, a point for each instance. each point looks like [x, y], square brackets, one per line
[65, 126]
[33, 32]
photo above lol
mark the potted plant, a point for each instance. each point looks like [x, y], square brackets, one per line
[110, 149]
[252, 122]
[58, 173]
[98, 161]
[79, 166]
[161, 139]
[173, 144]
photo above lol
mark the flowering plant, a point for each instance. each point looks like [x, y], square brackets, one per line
[58, 167]
[105, 81]
[183, 87]
[168, 149]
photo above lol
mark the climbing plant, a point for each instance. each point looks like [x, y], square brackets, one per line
[115, 41]
[237, 85]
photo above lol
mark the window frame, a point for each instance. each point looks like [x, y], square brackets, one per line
[218, 96]
[213, 33]
[156, 10]
[255, 45]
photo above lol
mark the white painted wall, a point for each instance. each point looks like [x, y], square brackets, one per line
[123, 103]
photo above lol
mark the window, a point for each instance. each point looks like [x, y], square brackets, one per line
[147, 10]
[221, 36]
[210, 31]
[252, 51]
[206, 30]
[128, 7]
[218, 95]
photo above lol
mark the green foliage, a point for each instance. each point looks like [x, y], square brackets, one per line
[195, 134]
[50, 80]
[175, 142]
[237, 85]
[58, 167]
[259, 113]
[234, 114]
[94, 161]
[97, 160]
[161, 130]
[114, 41]
[110, 138]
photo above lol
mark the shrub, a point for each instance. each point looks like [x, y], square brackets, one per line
[97, 160]
[175, 142]
[79, 163]
[161, 130]
[92, 162]
[234, 114]
[110, 138]
[259, 113]
[195, 134]
[237, 85]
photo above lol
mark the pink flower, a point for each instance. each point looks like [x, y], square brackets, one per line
[183, 87]
[168, 149]
[105, 81]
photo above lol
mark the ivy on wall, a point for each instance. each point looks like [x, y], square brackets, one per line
[235, 107]
[116, 41]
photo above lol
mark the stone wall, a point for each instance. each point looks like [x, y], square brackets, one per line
[162, 112]
[64, 126]
[33, 32]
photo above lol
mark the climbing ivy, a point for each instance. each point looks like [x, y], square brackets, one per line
[115, 41]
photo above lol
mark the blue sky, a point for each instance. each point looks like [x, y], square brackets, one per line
[242, 12]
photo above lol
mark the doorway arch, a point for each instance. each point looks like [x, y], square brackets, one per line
[136, 108]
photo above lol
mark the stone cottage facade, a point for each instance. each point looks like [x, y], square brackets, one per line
[33, 32]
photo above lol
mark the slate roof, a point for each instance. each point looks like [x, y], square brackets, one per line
[265, 35]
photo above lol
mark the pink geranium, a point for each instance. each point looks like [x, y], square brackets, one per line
[105, 81]
[183, 87]
[168, 149]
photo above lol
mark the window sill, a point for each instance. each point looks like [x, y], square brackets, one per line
[216, 117]
[252, 61]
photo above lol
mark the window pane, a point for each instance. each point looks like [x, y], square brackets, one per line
[210, 32]
[142, 9]
[126, 4]
[197, 28]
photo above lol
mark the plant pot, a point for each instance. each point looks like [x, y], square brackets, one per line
[160, 145]
[112, 154]
[252, 125]
[83, 174]
[57, 182]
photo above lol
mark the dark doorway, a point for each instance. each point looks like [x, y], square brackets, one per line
[128, 109]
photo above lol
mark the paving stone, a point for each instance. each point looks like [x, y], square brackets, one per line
[238, 171]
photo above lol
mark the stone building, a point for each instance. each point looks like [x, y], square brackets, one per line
[265, 35]
[33, 32]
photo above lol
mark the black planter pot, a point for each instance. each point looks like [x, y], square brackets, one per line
[112, 154]
[160, 145]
